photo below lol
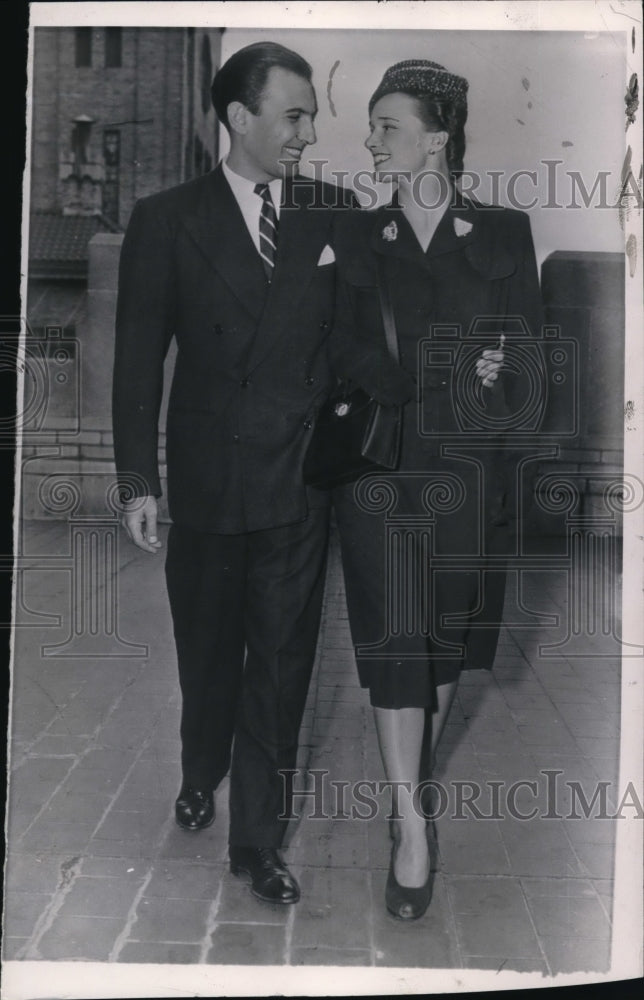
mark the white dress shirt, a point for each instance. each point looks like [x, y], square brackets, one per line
[250, 204]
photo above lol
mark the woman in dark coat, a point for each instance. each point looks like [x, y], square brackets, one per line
[423, 547]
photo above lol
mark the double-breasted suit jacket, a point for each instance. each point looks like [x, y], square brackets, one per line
[247, 548]
[458, 468]
[251, 361]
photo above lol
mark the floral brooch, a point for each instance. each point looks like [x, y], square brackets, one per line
[461, 227]
[390, 232]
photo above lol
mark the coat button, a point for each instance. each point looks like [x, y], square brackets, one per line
[244, 383]
[309, 380]
[218, 330]
[308, 425]
[324, 325]
[235, 437]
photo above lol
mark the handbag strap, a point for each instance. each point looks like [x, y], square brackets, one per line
[387, 309]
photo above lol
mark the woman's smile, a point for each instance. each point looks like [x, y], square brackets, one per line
[398, 137]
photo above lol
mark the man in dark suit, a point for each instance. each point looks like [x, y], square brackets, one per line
[237, 266]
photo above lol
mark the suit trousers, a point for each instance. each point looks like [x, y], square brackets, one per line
[246, 613]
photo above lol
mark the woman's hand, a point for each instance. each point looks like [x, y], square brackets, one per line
[490, 363]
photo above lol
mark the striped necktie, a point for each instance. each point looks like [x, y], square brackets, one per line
[267, 230]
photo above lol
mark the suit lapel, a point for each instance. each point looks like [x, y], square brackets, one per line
[219, 230]
[301, 237]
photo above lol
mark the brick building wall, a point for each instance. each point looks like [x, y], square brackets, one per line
[145, 100]
[45, 116]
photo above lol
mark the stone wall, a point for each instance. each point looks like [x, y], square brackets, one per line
[583, 294]
[81, 449]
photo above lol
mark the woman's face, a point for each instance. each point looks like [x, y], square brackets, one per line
[398, 139]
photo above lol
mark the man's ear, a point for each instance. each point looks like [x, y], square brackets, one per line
[238, 117]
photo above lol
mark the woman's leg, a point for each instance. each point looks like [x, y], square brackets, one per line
[400, 736]
[434, 724]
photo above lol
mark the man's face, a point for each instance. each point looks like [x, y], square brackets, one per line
[274, 139]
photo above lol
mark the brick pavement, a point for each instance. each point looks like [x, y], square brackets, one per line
[98, 870]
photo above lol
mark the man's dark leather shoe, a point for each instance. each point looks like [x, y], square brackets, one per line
[271, 879]
[194, 808]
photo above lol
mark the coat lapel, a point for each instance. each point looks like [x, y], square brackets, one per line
[456, 231]
[301, 237]
[392, 236]
[219, 230]
[462, 229]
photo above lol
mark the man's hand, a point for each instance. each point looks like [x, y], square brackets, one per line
[490, 363]
[140, 523]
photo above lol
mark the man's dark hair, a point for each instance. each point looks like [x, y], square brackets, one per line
[243, 77]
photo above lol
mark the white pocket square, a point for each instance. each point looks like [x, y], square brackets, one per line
[327, 256]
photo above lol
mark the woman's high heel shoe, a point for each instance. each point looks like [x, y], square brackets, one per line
[402, 901]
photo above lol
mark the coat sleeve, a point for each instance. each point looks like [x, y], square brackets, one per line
[524, 300]
[525, 293]
[144, 321]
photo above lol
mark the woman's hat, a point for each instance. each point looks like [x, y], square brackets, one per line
[422, 77]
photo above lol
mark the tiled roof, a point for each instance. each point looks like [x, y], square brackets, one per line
[58, 243]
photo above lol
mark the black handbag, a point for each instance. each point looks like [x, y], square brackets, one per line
[353, 433]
